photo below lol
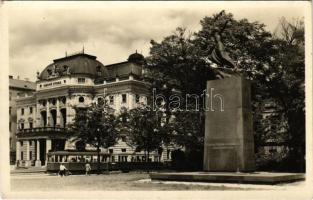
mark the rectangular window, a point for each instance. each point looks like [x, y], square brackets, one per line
[10, 110]
[81, 80]
[30, 124]
[22, 126]
[137, 98]
[22, 111]
[30, 110]
[123, 150]
[10, 124]
[22, 156]
[21, 143]
[10, 142]
[124, 98]
[30, 155]
[111, 99]
[110, 150]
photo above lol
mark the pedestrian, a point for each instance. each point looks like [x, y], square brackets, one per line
[62, 170]
[87, 168]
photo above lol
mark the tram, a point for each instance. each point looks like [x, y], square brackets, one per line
[75, 161]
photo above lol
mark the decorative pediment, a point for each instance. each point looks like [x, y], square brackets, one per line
[21, 120]
[30, 119]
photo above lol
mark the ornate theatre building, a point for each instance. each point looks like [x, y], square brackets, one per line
[77, 80]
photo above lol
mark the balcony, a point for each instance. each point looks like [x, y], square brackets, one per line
[47, 132]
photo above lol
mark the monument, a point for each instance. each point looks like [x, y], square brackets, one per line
[228, 141]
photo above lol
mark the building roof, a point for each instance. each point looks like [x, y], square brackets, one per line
[85, 64]
[22, 84]
[80, 63]
[124, 69]
[136, 57]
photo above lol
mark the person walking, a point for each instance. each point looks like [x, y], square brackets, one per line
[62, 170]
[87, 168]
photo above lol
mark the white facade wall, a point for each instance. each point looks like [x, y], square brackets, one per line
[73, 100]
[27, 117]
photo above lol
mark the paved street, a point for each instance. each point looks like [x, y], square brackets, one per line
[120, 181]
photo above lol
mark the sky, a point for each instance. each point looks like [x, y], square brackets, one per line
[41, 32]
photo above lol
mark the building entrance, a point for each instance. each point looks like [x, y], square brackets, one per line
[42, 151]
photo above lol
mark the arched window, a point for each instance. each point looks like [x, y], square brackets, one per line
[100, 101]
[63, 100]
[81, 99]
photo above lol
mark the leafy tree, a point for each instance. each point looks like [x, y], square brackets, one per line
[145, 129]
[175, 68]
[188, 131]
[283, 82]
[97, 126]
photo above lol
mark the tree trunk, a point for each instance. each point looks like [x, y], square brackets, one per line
[108, 164]
[148, 156]
[98, 160]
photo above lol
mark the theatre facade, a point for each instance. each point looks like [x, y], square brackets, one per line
[77, 81]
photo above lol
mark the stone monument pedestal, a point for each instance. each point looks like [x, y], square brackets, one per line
[228, 143]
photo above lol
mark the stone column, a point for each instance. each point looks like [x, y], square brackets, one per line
[38, 117]
[58, 113]
[18, 152]
[48, 148]
[38, 161]
[48, 112]
[27, 156]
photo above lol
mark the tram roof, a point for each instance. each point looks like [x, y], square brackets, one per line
[72, 153]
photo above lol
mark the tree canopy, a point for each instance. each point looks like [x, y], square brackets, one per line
[145, 129]
[97, 126]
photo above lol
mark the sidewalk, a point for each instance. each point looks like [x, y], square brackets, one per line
[23, 170]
